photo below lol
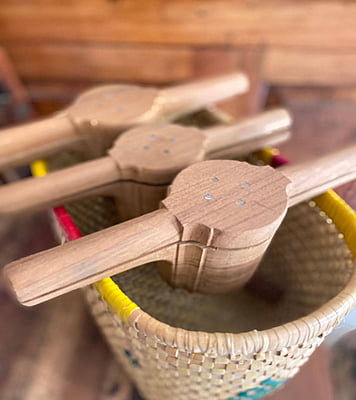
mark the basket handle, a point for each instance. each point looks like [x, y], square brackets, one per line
[53, 272]
[314, 177]
[24, 143]
[251, 134]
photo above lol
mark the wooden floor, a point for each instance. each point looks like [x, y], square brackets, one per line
[55, 352]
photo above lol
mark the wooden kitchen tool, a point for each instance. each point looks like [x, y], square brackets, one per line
[142, 162]
[209, 235]
[108, 110]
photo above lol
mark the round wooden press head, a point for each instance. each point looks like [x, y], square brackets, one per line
[112, 107]
[228, 212]
[155, 154]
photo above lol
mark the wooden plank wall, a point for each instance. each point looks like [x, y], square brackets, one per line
[282, 43]
[304, 49]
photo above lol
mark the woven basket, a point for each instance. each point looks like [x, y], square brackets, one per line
[240, 345]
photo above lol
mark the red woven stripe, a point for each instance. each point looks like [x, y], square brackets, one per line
[67, 224]
[278, 160]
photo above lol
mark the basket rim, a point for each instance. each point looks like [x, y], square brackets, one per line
[294, 333]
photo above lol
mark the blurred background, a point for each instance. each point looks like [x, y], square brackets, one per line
[297, 53]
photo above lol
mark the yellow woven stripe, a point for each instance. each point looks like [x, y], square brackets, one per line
[116, 298]
[39, 168]
[343, 216]
[266, 155]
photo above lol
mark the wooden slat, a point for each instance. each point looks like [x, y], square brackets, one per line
[316, 23]
[323, 120]
[305, 67]
[53, 71]
[100, 63]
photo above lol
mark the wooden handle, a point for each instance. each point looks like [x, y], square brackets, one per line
[57, 187]
[251, 134]
[316, 176]
[216, 223]
[193, 96]
[24, 143]
[48, 274]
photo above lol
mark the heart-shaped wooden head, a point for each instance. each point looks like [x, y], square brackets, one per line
[112, 107]
[155, 154]
[229, 212]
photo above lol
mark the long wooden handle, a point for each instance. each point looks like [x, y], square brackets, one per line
[175, 101]
[21, 144]
[316, 176]
[57, 187]
[251, 134]
[51, 273]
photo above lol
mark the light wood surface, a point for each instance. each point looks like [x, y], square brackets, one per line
[327, 24]
[316, 176]
[21, 145]
[266, 129]
[155, 232]
[150, 155]
[110, 109]
[90, 372]
[215, 226]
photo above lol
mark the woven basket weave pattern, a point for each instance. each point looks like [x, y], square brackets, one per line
[169, 343]
[315, 264]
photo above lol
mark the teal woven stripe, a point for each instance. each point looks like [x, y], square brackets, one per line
[259, 392]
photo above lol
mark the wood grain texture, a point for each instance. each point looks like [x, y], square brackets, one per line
[150, 237]
[209, 208]
[23, 144]
[47, 64]
[296, 67]
[155, 64]
[323, 118]
[196, 22]
[89, 372]
[314, 177]
[106, 111]
[145, 156]
[216, 224]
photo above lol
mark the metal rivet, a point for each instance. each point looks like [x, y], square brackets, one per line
[145, 147]
[245, 185]
[215, 179]
[208, 197]
[153, 137]
[94, 122]
[166, 151]
[240, 202]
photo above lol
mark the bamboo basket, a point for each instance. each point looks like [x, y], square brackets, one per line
[241, 345]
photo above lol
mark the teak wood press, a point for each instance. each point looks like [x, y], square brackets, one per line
[143, 162]
[99, 115]
[209, 235]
